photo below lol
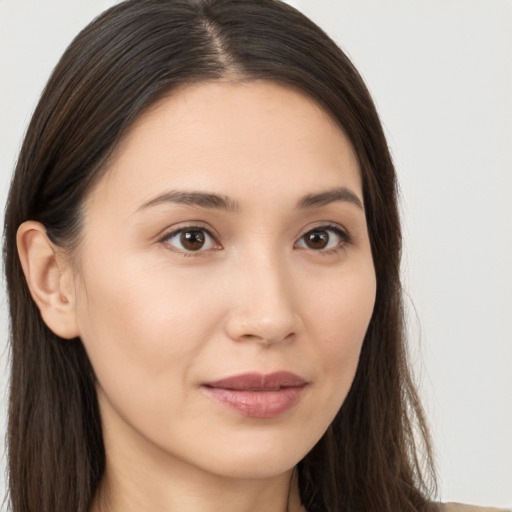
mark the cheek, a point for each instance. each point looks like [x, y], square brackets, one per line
[140, 329]
[340, 315]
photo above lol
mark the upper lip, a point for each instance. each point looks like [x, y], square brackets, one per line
[259, 381]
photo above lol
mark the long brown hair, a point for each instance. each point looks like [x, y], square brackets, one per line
[376, 454]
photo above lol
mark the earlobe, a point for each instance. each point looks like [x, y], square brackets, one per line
[49, 279]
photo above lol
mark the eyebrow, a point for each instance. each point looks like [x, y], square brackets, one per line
[201, 199]
[221, 202]
[330, 196]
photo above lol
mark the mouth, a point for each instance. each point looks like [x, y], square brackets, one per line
[257, 395]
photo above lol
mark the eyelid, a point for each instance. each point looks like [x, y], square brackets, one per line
[341, 232]
[194, 226]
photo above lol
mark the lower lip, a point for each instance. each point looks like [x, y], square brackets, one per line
[257, 404]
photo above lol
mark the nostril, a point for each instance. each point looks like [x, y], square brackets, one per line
[267, 340]
[267, 322]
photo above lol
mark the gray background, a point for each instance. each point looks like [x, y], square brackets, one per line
[440, 72]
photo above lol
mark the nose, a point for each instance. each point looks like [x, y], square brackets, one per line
[263, 307]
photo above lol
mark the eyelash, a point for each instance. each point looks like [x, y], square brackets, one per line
[165, 239]
[344, 236]
[345, 239]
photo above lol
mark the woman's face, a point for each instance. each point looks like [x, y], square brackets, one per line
[225, 244]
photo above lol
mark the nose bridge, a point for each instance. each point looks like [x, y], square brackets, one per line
[262, 300]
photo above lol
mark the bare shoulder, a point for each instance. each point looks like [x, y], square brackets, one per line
[459, 507]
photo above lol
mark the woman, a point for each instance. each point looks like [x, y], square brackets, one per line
[202, 253]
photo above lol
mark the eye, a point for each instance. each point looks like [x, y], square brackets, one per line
[193, 239]
[323, 238]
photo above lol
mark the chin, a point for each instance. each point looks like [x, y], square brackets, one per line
[258, 461]
[254, 468]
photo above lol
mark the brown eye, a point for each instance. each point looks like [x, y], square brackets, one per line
[190, 240]
[318, 239]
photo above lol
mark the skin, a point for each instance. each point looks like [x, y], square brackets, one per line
[158, 320]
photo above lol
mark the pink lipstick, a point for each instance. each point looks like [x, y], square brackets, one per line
[257, 395]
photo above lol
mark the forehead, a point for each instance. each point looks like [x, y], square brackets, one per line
[231, 138]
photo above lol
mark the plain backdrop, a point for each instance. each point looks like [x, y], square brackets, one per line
[440, 72]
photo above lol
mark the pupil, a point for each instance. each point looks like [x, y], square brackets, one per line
[317, 239]
[192, 240]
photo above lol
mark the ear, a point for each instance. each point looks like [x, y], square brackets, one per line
[49, 277]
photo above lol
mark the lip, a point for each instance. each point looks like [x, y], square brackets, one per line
[257, 395]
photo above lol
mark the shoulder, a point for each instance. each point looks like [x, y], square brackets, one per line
[459, 507]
